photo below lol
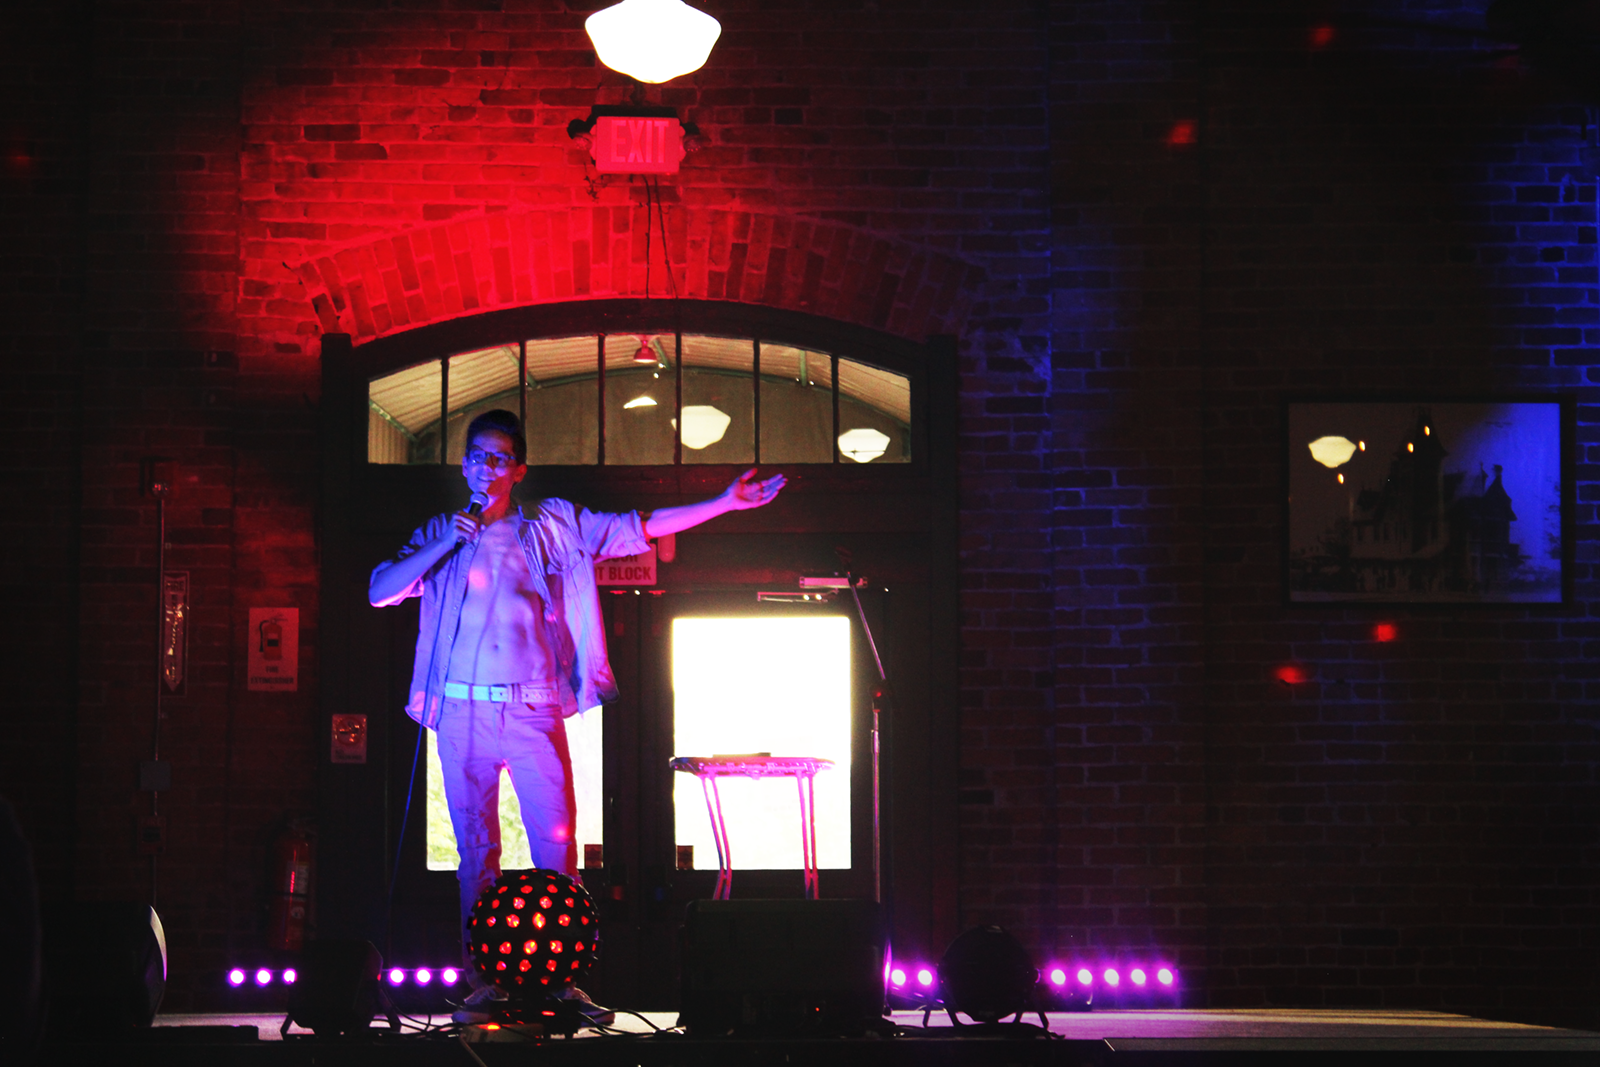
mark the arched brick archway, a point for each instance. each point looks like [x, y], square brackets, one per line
[496, 261]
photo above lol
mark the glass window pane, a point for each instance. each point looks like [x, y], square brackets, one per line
[874, 414]
[796, 405]
[585, 740]
[718, 400]
[479, 381]
[796, 671]
[403, 415]
[563, 418]
[641, 398]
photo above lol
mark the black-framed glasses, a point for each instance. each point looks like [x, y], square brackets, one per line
[495, 461]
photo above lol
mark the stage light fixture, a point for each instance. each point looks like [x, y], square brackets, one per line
[396, 976]
[1085, 976]
[534, 933]
[450, 976]
[290, 976]
[236, 977]
[1058, 977]
[1111, 977]
[925, 977]
[986, 974]
[897, 977]
[424, 976]
[263, 977]
[107, 965]
[1165, 976]
[653, 40]
[338, 991]
[1138, 976]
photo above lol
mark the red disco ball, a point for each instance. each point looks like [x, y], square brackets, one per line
[534, 933]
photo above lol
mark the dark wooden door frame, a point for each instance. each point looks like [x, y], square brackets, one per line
[878, 505]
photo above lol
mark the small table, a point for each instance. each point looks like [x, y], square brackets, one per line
[803, 769]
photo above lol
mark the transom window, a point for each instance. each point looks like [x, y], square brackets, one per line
[647, 399]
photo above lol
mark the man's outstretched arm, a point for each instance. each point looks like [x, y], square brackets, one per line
[743, 493]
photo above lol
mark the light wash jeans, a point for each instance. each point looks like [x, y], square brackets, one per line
[476, 738]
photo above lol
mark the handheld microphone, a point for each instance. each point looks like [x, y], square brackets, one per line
[475, 509]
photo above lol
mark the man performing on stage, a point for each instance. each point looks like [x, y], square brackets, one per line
[511, 642]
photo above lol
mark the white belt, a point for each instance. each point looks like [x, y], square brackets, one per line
[515, 693]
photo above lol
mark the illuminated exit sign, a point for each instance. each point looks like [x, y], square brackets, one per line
[630, 145]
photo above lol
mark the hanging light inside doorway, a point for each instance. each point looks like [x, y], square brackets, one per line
[653, 40]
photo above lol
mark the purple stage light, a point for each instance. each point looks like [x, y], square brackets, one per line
[1058, 976]
[1165, 976]
[396, 976]
[897, 977]
[424, 976]
[1112, 978]
[263, 977]
[1138, 976]
[450, 975]
[236, 977]
[924, 977]
[1085, 976]
[290, 976]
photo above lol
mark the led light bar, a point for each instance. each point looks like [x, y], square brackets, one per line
[264, 977]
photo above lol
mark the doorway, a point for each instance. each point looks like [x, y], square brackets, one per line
[897, 524]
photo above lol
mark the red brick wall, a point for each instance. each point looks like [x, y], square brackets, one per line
[1135, 297]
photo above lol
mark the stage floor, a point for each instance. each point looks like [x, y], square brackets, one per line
[1156, 1031]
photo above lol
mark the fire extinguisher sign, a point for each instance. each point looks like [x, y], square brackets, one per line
[273, 650]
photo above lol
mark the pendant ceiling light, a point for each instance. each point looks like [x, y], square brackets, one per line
[653, 40]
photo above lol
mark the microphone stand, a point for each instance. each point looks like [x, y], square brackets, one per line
[882, 700]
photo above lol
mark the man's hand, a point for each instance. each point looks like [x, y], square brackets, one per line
[745, 492]
[463, 527]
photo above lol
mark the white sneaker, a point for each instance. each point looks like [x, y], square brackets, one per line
[596, 1015]
[479, 1005]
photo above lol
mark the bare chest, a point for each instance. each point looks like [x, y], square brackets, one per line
[499, 565]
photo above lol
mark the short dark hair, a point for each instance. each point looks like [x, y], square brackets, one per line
[500, 421]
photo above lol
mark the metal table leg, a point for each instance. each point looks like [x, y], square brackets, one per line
[719, 835]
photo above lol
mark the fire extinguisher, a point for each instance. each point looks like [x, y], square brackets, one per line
[291, 887]
[271, 639]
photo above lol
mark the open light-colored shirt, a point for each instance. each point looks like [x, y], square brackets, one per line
[561, 543]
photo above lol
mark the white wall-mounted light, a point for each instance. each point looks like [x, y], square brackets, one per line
[653, 40]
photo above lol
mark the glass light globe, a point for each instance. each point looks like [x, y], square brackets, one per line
[653, 40]
[863, 444]
[703, 425]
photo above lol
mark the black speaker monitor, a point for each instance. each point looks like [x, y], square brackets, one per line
[800, 967]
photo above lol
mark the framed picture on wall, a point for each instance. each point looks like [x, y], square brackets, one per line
[1429, 501]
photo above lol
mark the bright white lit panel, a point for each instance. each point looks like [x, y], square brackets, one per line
[776, 685]
[584, 741]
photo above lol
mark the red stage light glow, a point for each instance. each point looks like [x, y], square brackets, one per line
[1385, 631]
[1184, 131]
[1291, 674]
[1322, 36]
